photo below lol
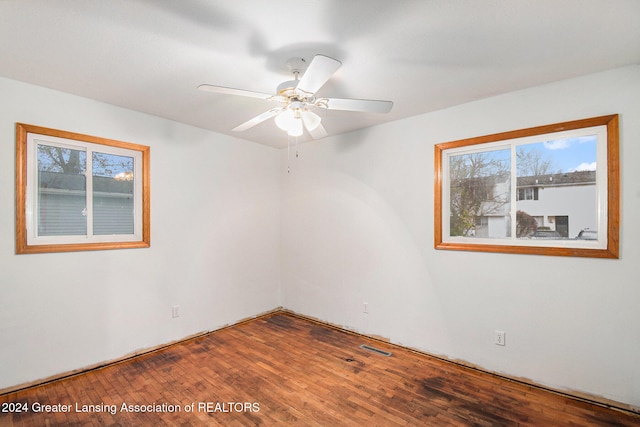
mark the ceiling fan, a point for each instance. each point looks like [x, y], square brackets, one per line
[298, 98]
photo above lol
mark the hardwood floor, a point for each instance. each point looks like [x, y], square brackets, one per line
[284, 370]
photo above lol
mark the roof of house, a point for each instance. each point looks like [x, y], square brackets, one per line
[558, 179]
[77, 182]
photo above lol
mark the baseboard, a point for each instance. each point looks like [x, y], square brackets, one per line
[575, 395]
[129, 356]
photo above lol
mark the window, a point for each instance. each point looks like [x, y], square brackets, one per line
[527, 193]
[535, 191]
[77, 192]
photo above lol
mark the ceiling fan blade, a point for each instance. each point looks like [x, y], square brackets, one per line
[318, 72]
[257, 120]
[318, 132]
[232, 91]
[362, 105]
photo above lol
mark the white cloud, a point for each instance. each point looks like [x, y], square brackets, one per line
[584, 167]
[558, 144]
[561, 144]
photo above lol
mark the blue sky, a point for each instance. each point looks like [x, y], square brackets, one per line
[564, 155]
[568, 155]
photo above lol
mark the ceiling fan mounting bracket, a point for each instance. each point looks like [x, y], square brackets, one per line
[296, 65]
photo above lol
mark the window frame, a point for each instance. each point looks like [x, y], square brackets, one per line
[27, 241]
[608, 197]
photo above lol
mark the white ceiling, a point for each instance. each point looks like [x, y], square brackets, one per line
[424, 55]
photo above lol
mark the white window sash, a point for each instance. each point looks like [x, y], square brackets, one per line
[601, 185]
[33, 238]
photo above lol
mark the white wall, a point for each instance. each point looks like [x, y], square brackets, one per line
[352, 223]
[358, 227]
[215, 233]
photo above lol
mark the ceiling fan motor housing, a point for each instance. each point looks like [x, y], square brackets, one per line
[288, 89]
[296, 66]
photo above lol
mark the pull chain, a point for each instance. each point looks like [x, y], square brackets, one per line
[289, 152]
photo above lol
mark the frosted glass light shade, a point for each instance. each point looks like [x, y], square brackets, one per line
[296, 128]
[288, 122]
[285, 120]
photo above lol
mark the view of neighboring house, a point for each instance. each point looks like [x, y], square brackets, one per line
[564, 203]
[494, 220]
[62, 204]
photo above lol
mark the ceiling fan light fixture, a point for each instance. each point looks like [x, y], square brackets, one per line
[289, 122]
[311, 120]
[285, 119]
[296, 128]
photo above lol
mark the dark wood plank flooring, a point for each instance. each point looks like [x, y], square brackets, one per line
[283, 370]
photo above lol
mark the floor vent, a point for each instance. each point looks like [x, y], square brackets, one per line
[375, 350]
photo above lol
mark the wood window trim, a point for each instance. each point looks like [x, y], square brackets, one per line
[22, 247]
[613, 191]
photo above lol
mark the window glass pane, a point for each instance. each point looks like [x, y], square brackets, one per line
[556, 189]
[61, 191]
[112, 194]
[479, 198]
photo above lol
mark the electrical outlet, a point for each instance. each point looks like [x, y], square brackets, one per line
[500, 337]
[175, 311]
[365, 309]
